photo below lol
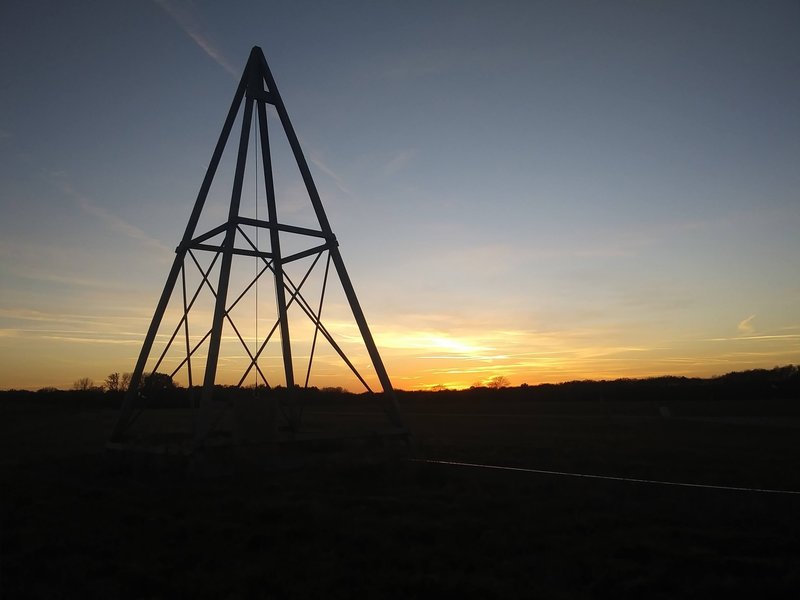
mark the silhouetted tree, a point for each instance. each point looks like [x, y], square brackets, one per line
[334, 390]
[83, 384]
[157, 385]
[118, 382]
[125, 381]
[498, 381]
[113, 382]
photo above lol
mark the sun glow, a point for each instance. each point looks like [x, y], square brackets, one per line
[449, 346]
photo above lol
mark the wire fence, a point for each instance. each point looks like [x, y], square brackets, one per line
[729, 488]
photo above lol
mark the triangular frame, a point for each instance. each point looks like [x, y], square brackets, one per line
[256, 89]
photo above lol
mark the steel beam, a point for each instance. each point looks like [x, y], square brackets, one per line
[279, 226]
[204, 416]
[358, 314]
[133, 389]
[274, 239]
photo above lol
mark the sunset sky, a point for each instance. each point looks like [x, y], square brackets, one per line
[545, 191]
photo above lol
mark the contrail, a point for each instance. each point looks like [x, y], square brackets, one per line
[189, 24]
[115, 223]
[192, 28]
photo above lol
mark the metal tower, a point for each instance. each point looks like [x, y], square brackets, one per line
[228, 242]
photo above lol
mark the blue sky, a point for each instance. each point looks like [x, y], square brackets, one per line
[541, 190]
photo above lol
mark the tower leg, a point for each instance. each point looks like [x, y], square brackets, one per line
[126, 413]
[209, 379]
[277, 261]
[393, 410]
[132, 392]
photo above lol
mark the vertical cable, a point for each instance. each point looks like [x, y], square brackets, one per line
[255, 195]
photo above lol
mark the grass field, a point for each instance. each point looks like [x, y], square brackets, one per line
[78, 524]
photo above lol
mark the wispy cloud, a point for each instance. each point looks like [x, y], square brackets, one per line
[746, 325]
[397, 162]
[63, 318]
[28, 314]
[36, 274]
[121, 226]
[182, 15]
[114, 340]
[317, 162]
[114, 222]
[755, 338]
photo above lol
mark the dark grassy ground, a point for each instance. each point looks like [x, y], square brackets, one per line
[76, 524]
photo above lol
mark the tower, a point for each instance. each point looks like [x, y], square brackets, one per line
[213, 254]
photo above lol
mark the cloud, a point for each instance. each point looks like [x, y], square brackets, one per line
[115, 223]
[34, 274]
[746, 325]
[180, 13]
[81, 320]
[92, 340]
[397, 163]
[28, 314]
[314, 159]
[787, 336]
[121, 226]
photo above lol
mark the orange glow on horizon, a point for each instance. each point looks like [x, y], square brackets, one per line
[416, 359]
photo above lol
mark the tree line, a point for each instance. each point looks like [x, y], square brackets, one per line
[779, 382]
